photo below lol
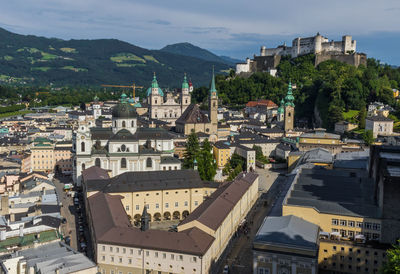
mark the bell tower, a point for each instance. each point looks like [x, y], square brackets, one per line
[289, 109]
[185, 96]
[213, 106]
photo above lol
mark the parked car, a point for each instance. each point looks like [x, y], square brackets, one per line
[226, 269]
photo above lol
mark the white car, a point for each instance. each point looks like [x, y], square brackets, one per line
[226, 269]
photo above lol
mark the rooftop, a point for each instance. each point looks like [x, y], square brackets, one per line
[289, 231]
[337, 191]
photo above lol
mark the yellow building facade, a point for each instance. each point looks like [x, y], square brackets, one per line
[222, 154]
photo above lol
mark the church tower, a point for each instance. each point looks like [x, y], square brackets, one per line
[281, 111]
[185, 96]
[289, 109]
[213, 106]
[155, 98]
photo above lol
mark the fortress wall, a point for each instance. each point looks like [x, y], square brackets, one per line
[335, 46]
[351, 59]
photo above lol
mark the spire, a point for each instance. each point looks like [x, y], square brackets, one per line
[185, 84]
[289, 96]
[144, 221]
[96, 99]
[213, 89]
[123, 98]
[154, 83]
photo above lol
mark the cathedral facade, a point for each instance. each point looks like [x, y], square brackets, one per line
[166, 107]
[123, 147]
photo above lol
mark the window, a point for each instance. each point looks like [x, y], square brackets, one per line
[123, 148]
[104, 248]
[166, 205]
[156, 254]
[176, 204]
[83, 146]
[164, 256]
[127, 209]
[111, 249]
[186, 203]
[103, 258]
[83, 166]
[147, 253]
[120, 260]
[97, 162]
[131, 251]
[123, 163]
[359, 224]
[334, 247]
[130, 261]
[157, 205]
[149, 162]
[117, 249]
[196, 203]
[123, 124]
[139, 252]
[194, 259]
[180, 258]
[351, 223]
[375, 236]
[367, 225]
[376, 226]
[343, 222]
[137, 207]
[124, 250]
[132, 124]
[112, 258]
[172, 256]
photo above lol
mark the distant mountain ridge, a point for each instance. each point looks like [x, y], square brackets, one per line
[33, 60]
[188, 49]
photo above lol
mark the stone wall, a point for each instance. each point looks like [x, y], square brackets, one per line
[264, 63]
[355, 59]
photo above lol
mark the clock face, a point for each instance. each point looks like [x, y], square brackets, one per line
[82, 137]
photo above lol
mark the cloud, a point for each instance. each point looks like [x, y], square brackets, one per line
[160, 22]
[223, 26]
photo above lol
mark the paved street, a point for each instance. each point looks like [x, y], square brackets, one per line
[67, 210]
[273, 188]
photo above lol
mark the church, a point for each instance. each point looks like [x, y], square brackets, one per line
[124, 146]
[166, 107]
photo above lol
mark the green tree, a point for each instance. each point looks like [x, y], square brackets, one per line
[259, 154]
[227, 169]
[393, 260]
[235, 173]
[237, 160]
[368, 137]
[361, 117]
[192, 150]
[206, 165]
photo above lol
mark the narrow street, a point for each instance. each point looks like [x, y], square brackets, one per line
[67, 211]
[272, 189]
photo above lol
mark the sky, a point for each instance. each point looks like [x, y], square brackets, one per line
[233, 28]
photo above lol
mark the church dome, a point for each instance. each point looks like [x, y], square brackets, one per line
[123, 109]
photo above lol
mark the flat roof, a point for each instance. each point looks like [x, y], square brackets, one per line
[337, 191]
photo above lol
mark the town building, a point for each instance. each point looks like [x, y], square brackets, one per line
[201, 238]
[167, 195]
[125, 146]
[380, 125]
[166, 107]
[51, 257]
[286, 244]
[344, 126]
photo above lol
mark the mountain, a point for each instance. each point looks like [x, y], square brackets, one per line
[33, 60]
[230, 60]
[188, 49]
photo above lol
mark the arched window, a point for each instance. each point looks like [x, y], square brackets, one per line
[123, 124]
[123, 162]
[214, 104]
[132, 124]
[97, 162]
[83, 166]
[115, 123]
[83, 146]
[289, 114]
[149, 162]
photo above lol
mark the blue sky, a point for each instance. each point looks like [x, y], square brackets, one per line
[233, 28]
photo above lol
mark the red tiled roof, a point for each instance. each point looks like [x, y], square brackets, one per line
[262, 102]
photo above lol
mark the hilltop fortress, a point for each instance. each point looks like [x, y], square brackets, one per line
[269, 58]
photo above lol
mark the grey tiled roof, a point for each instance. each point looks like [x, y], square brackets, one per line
[289, 231]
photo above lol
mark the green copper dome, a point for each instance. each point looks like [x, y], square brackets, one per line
[289, 96]
[185, 83]
[123, 109]
[281, 108]
[154, 84]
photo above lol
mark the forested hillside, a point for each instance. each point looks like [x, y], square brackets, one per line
[31, 60]
[333, 86]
